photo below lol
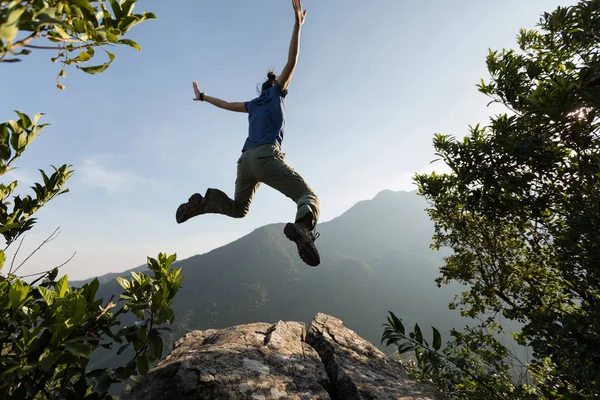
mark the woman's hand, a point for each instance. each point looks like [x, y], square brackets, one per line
[197, 91]
[300, 14]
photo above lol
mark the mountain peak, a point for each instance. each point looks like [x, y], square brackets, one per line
[388, 193]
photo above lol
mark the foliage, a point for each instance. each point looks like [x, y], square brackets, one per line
[521, 205]
[71, 28]
[473, 365]
[15, 136]
[48, 329]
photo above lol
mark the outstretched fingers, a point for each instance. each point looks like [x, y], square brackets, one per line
[300, 14]
[297, 5]
[196, 90]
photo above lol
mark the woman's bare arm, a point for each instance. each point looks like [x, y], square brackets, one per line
[288, 71]
[236, 106]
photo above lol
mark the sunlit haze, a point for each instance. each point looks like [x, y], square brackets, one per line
[374, 82]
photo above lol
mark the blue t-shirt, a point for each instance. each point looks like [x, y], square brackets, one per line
[266, 117]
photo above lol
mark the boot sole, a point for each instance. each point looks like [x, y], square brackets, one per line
[306, 248]
[181, 213]
[189, 210]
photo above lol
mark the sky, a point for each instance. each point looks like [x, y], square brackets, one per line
[375, 80]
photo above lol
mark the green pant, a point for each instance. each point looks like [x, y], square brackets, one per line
[264, 164]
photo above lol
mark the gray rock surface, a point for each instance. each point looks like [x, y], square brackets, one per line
[256, 362]
[357, 369]
[279, 361]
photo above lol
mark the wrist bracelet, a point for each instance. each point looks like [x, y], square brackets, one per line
[202, 96]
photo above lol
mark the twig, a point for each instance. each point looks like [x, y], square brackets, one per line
[46, 272]
[15, 255]
[34, 274]
[65, 263]
[23, 42]
[16, 45]
[108, 306]
[38, 47]
[10, 60]
[50, 238]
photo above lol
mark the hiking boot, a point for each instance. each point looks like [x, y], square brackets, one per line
[196, 205]
[305, 240]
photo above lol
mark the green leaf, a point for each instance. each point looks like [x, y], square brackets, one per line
[2, 259]
[77, 307]
[406, 347]
[47, 16]
[17, 294]
[437, 339]
[95, 69]
[46, 294]
[62, 286]
[89, 290]
[98, 68]
[34, 132]
[53, 274]
[82, 57]
[171, 259]
[14, 126]
[4, 142]
[397, 323]
[418, 334]
[136, 276]
[130, 43]
[122, 348]
[8, 227]
[127, 7]
[85, 4]
[142, 365]
[47, 359]
[18, 140]
[123, 282]
[25, 120]
[36, 118]
[10, 28]
[78, 349]
[62, 33]
[116, 7]
[155, 344]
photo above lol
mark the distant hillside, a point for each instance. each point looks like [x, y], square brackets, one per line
[375, 257]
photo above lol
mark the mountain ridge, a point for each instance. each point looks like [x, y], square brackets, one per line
[384, 194]
[374, 257]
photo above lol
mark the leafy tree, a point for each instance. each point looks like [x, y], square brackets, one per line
[521, 205]
[72, 29]
[48, 329]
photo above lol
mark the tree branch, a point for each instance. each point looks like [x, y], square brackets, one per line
[104, 310]
[46, 272]
[23, 42]
[38, 47]
[15, 255]
[50, 238]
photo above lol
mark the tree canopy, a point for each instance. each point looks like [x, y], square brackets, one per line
[521, 206]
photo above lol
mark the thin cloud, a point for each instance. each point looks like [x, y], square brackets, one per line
[92, 173]
[25, 178]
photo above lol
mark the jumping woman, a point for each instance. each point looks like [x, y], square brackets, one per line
[262, 161]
